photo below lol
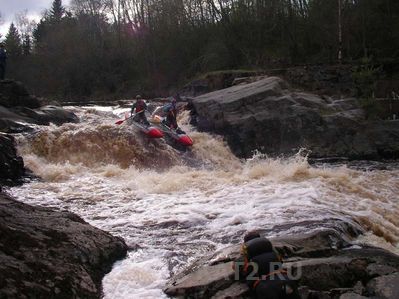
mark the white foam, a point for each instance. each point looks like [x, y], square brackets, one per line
[175, 213]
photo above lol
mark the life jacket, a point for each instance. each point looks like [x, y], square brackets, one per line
[260, 251]
[140, 106]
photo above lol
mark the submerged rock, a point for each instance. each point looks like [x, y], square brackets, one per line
[325, 264]
[268, 116]
[49, 254]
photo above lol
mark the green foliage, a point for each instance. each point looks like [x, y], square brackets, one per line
[372, 109]
[13, 42]
[364, 77]
[57, 11]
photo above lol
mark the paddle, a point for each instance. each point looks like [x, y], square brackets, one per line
[119, 122]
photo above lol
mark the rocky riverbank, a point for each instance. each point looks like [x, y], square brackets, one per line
[50, 254]
[269, 116]
[325, 262]
[44, 253]
[19, 112]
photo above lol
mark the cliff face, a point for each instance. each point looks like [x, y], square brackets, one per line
[49, 254]
[267, 115]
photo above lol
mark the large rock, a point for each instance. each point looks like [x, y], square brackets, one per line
[268, 116]
[385, 287]
[54, 114]
[49, 254]
[11, 165]
[13, 93]
[19, 110]
[325, 267]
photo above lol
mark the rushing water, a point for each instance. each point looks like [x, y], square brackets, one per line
[172, 207]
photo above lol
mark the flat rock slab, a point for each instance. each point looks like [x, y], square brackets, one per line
[204, 282]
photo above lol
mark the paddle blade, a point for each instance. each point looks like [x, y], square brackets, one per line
[155, 133]
[185, 140]
[119, 122]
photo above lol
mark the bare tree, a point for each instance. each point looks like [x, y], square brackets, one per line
[25, 28]
[91, 7]
[23, 24]
[339, 31]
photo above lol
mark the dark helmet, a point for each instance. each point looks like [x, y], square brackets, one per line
[174, 101]
[251, 235]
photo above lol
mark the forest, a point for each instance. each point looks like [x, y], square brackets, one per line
[96, 48]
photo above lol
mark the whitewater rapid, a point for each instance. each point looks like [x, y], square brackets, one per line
[172, 207]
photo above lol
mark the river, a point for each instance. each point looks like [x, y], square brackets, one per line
[172, 207]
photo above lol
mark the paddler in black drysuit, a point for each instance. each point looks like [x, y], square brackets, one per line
[260, 266]
[138, 109]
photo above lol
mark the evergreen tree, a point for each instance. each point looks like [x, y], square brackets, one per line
[57, 11]
[13, 41]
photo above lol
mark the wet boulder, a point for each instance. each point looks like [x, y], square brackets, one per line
[268, 116]
[11, 165]
[385, 287]
[204, 282]
[19, 110]
[56, 115]
[50, 254]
